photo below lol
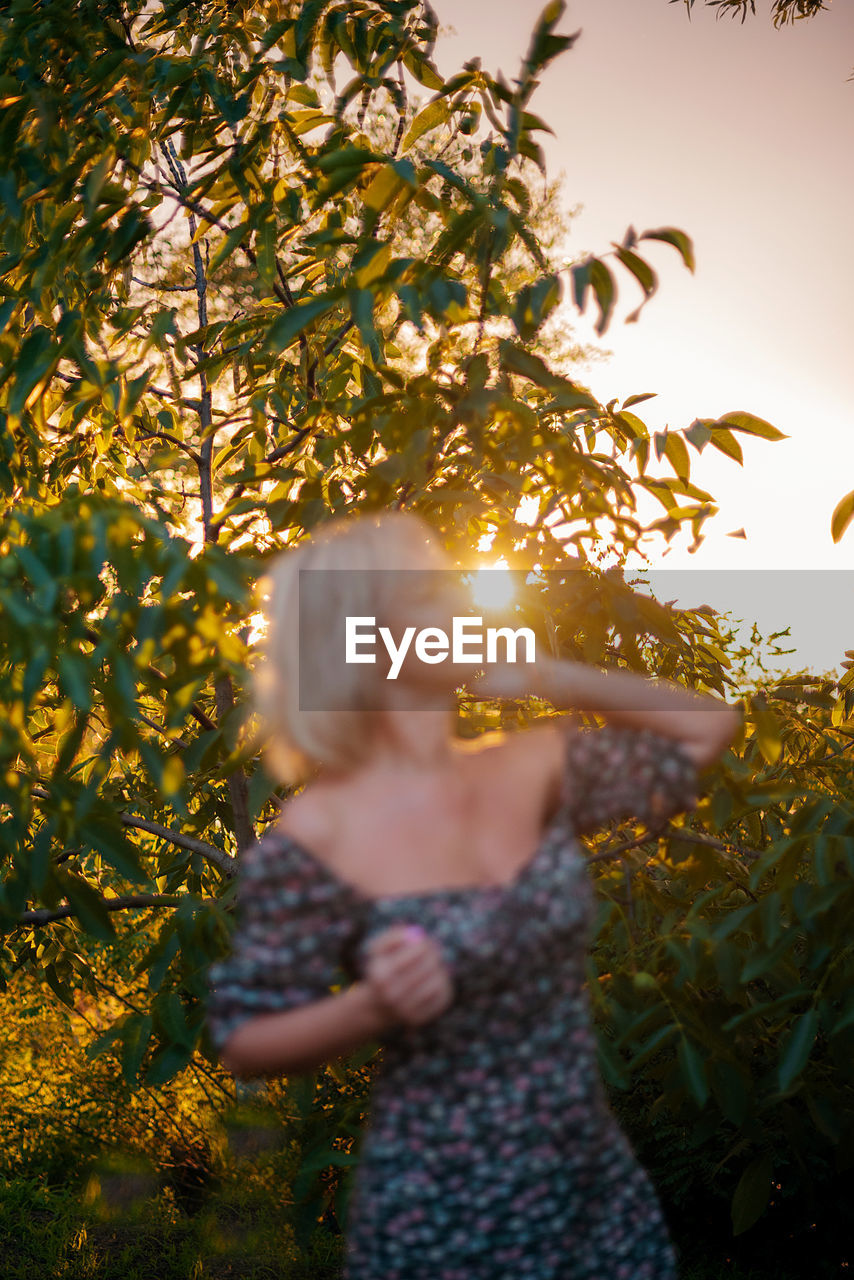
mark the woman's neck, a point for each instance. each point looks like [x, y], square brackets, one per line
[411, 741]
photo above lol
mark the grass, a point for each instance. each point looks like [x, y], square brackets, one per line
[109, 1230]
[241, 1234]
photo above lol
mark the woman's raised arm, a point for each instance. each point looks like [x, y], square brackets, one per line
[703, 724]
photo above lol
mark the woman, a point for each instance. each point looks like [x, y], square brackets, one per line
[443, 883]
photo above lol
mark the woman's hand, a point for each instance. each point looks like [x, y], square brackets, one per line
[407, 975]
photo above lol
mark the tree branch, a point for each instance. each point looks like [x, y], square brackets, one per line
[160, 392]
[237, 783]
[218, 857]
[206, 435]
[226, 863]
[164, 288]
[44, 915]
[403, 103]
[161, 729]
[193, 206]
[179, 444]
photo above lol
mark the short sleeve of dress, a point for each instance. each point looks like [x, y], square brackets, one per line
[289, 942]
[616, 773]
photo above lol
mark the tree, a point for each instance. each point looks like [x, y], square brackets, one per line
[160, 156]
[219, 263]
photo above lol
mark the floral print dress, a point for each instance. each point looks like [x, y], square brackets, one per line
[491, 1152]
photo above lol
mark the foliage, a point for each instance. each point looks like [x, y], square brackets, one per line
[782, 11]
[722, 979]
[237, 301]
[143, 488]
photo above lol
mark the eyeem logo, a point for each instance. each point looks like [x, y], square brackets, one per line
[433, 645]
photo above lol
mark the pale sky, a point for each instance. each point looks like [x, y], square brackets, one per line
[743, 136]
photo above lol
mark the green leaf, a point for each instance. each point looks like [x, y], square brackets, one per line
[760, 960]
[88, 906]
[693, 1067]
[62, 990]
[388, 182]
[349, 158]
[655, 1041]
[796, 1052]
[581, 282]
[287, 328]
[96, 1047]
[516, 359]
[265, 250]
[640, 269]
[228, 244]
[634, 427]
[698, 434]
[544, 44]
[422, 69]
[166, 1063]
[132, 228]
[114, 847]
[845, 1020]
[309, 15]
[371, 263]
[679, 240]
[642, 272]
[168, 1010]
[33, 361]
[639, 399]
[135, 1033]
[261, 788]
[765, 1010]
[362, 311]
[605, 290]
[433, 115]
[534, 303]
[752, 1193]
[610, 1063]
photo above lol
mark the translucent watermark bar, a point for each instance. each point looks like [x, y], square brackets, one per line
[378, 637]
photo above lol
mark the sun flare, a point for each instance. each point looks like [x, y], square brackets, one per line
[492, 587]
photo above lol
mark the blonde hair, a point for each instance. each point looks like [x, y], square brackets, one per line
[342, 734]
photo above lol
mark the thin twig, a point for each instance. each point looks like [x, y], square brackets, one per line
[179, 444]
[164, 288]
[195, 710]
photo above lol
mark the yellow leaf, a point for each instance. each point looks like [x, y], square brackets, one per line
[208, 626]
[382, 189]
[173, 776]
[377, 265]
[62, 716]
[145, 652]
[767, 730]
